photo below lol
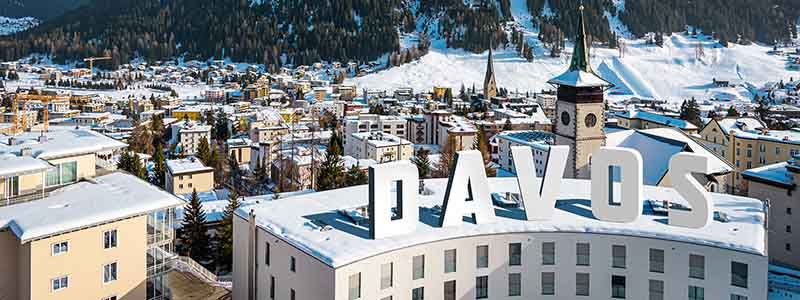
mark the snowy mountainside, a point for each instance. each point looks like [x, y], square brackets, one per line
[673, 72]
[13, 25]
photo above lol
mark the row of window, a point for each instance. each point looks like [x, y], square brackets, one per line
[109, 275]
[109, 241]
[582, 288]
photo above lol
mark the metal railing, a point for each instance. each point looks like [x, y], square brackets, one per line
[38, 195]
[184, 263]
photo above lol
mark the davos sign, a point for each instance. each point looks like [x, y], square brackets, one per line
[468, 180]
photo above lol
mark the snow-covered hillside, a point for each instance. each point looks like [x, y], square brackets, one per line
[672, 72]
[12, 25]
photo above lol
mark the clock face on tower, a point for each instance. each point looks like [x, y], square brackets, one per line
[591, 120]
[565, 118]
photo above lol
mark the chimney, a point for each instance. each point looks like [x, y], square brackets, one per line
[27, 151]
[12, 141]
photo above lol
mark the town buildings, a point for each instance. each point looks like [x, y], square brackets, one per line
[188, 134]
[188, 175]
[378, 146]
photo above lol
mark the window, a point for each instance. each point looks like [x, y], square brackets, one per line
[110, 272]
[738, 274]
[292, 295]
[450, 290]
[582, 254]
[387, 298]
[450, 261]
[788, 210]
[60, 248]
[60, 283]
[789, 228]
[548, 283]
[618, 254]
[267, 252]
[110, 298]
[180, 186]
[515, 254]
[738, 297]
[581, 284]
[548, 253]
[788, 247]
[13, 186]
[696, 293]
[418, 264]
[386, 275]
[293, 264]
[515, 284]
[617, 286]
[62, 174]
[481, 287]
[697, 266]
[482, 257]
[272, 287]
[418, 293]
[656, 290]
[354, 287]
[110, 239]
[657, 260]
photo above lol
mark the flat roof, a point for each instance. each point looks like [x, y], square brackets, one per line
[185, 165]
[16, 165]
[775, 174]
[296, 220]
[62, 141]
[107, 198]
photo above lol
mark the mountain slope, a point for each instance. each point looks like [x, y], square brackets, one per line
[40, 9]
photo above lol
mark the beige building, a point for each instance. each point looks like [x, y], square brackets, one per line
[106, 239]
[373, 123]
[240, 149]
[378, 146]
[187, 175]
[777, 184]
[746, 144]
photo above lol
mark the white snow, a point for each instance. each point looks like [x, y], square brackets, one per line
[10, 26]
[186, 165]
[108, 198]
[347, 242]
[60, 142]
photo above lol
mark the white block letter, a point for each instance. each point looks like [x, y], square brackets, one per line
[629, 162]
[406, 179]
[468, 180]
[539, 200]
[680, 171]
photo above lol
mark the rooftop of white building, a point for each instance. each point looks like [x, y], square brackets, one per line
[321, 224]
[380, 139]
[61, 141]
[105, 199]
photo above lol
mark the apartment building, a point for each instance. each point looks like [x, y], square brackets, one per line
[187, 135]
[373, 123]
[111, 238]
[187, 175]
[747, 144]
[318, 246]
[239, 148]
[636, 119]
[378, 146]
[539, 142]
[777, 184]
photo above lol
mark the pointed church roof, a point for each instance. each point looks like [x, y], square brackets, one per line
[489, 66]
[580, 72]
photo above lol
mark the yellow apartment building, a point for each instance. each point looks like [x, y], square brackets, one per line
[187, 175]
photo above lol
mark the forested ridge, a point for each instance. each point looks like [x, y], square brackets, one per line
[278, 32]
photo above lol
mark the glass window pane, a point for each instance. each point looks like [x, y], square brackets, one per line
[53, 177]
[739, 274]
[514, 284]
[515, 254]
[450, 261]
[450, 290]
[548, 253]
[418, 293]
[582, 284]
[617, 286]
[481, 287]
[656, 290]
[657, 260]
[548, 283]
[482, 259]
[355, 286]
[386, 275]
[697, 266]
[618, 253]
[419, 267]
[69, 172]
[582, 254]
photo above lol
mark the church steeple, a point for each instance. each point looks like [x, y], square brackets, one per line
[580, 55]
[489, 81]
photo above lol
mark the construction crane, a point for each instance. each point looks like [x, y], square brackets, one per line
[91, 61]
[20, 122]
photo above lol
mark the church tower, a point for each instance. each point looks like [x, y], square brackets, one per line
[580, 109]
[489, 83]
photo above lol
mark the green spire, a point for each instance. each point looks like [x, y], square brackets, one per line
[580, 55]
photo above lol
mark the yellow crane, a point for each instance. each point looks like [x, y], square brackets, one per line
[91, 61]
[20, 122]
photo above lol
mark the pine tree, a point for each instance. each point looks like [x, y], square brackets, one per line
[138, 168]
[355, 177]
[124, 162]
[157, 129]
[225, 237]
[423, 163]
[233, 167]
[159, 167]
[762, 109]
[140, 140]
[732, 112]
[330, 171]
[481, 144]
[204, 151]
[690, 111]
[194, 234]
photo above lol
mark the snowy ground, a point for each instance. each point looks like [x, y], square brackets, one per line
[12, 25]
[672, 72]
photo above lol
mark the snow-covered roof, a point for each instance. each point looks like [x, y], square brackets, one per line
[107, 198]
[295, 220]
[740, 124]
[16, 165]
[186, 165]
[537, 139]
[579, 79]
[658, 145]
[777, 174]
[657, 118]
[61, 142]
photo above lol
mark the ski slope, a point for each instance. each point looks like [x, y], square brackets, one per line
[673, 72]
